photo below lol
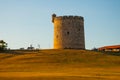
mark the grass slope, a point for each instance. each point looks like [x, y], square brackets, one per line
[59, 65]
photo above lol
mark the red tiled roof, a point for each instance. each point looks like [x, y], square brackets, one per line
[110, 47]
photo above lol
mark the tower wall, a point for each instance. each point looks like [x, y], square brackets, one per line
[68, 32]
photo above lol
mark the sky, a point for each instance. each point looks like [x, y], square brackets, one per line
[26, 22]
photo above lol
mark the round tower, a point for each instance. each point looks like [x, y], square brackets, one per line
[68, 32]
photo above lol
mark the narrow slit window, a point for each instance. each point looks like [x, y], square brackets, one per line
[57, 36]
[68, 33]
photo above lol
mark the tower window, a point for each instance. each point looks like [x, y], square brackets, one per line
[68, 33]
[57, 36]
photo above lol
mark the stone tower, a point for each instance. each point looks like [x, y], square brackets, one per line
[68, 32]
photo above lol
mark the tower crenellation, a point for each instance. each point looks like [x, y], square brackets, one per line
[67, 17]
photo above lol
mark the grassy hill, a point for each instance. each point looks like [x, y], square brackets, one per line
[59, 65]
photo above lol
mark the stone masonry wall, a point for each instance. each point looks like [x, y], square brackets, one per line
[68, 32]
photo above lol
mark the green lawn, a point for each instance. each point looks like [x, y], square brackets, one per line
[59, 65]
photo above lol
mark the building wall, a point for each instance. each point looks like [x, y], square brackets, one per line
[113, 48]
[68, 32]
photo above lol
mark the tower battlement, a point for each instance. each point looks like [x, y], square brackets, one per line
[71, 17]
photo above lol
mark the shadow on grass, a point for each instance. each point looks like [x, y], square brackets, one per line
[10, 52]
[110, 53]
[19, 51]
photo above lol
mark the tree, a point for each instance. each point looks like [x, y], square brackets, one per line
[3, 45]
[94, 49]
